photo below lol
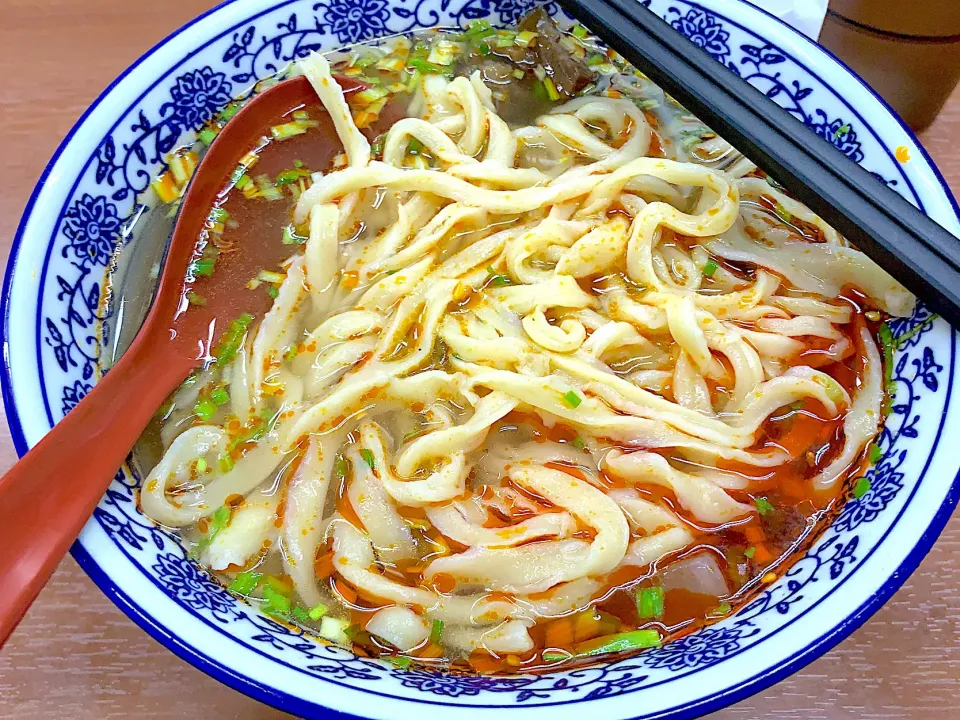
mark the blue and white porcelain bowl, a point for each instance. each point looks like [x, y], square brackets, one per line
[52, 334]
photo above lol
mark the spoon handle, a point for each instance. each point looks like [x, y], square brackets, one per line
[46, 498]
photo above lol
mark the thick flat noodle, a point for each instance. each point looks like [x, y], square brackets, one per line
[662, 531]
[252, 528]
[697, 495]
[390, 535]
[819, 268]
[201, 441]
[526, 569]
[399, 626]
[508, 637]
[539, 566]
[452, 521]
[863, 420]
[354, 560]
[317, 70]
[303, 521]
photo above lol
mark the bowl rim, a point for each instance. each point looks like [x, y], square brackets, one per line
[266, 694]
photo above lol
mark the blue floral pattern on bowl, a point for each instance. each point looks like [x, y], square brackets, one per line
[109, 192]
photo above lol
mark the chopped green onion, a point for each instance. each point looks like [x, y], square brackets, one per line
[196, 299]
[572, 399]
[334, 630]
[205, 409]
[218, 214]
[207, 136]
[400, 661]
[220, 395]
[552, 93]
[317, 611]
[270, 276]
[505, 38]
[483, 49]
[301, 615]
[414, 147]
[518, 74]
[595, 60]
[229, 111]
[443, 52]
[763, 505]
[242, 181]
[290, 236]
[272, 291]
[245, 582]
[783, 213]
[288, 130]
[496, 279]
[370, 95]
[621, 642]
[280, 586]
[721, 610]
[340, 467]
[287, 177]
[875, 454]
[841, 131]
[524, 38]
[411, 86]
[913, 332]
[540, 91]
[392, 63]
[750, 552]
[436, 630]
[232, 339]
[579, 31]
[201, 466]
[203, 267]
[275, 603]
[478, 28]
[267, 189]
[221, 517]
[368, 458]
[226, 463]
[861, 488]
[427, 67]
[578, 443]
[886, 340]
[650, 603]
[301, 115]
[833, 388]
[711, 268]
[218, 521]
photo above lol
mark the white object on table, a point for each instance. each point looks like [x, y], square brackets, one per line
[805, 15]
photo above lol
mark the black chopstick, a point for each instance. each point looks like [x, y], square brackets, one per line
[900, 238]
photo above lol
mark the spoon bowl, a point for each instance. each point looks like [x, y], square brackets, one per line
[46, 498]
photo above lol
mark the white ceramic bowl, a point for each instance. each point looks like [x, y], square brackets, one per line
[50, 299]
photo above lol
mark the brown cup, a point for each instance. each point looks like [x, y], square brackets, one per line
[908, 50]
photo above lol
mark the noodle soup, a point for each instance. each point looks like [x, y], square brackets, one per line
[547, 372]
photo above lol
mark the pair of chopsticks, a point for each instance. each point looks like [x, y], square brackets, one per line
[914, 249]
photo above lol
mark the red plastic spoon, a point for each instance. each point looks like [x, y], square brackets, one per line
[46, 498]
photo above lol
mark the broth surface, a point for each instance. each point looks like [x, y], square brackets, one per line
[496, 434]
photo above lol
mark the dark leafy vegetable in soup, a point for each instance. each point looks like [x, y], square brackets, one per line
[534, 371]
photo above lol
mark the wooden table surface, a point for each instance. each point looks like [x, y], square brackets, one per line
[77, 656]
